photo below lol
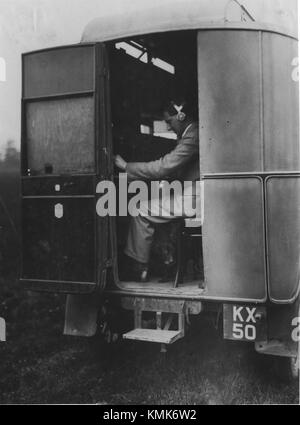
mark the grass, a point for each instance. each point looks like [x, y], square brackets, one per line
[40, 365]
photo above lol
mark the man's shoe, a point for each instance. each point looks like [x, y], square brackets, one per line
[143, 276]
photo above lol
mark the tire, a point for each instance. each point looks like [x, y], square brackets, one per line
[287, 368]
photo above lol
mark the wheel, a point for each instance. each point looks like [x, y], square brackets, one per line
[294, 367]
[108, 339]
[109, 324]
[112, 322]
[287, 368]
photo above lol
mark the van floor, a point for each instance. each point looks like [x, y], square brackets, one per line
[155, 288]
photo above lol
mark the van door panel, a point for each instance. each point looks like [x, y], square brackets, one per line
[64, 135]
[229, 101]
[58, 239]
[233, 239]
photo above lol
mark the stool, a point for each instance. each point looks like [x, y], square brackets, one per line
[190, 228]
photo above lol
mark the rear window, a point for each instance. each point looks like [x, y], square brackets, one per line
[59, 110]
[60, 136]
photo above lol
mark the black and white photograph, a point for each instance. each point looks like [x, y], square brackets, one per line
[149, 205]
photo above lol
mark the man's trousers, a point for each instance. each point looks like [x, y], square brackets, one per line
[158, 211]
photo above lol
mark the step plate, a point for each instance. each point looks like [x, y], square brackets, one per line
[154, 335]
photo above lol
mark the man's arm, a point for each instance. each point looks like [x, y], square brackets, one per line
[187, 149]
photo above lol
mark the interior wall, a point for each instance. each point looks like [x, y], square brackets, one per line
[139, 92]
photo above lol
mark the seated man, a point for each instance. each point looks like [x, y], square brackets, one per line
[182, 164]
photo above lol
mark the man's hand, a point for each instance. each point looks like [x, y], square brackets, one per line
[120, 162]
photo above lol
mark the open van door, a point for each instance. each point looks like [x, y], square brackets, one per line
[64, 156]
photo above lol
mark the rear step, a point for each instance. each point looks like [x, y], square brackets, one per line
[169, 308]
[154, 335]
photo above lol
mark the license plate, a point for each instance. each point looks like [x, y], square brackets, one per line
[244, 322]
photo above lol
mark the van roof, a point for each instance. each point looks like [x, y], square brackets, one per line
[175, 17]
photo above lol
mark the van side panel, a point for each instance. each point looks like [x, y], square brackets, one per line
[281, 103]
[283, 236]
[282, 154]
